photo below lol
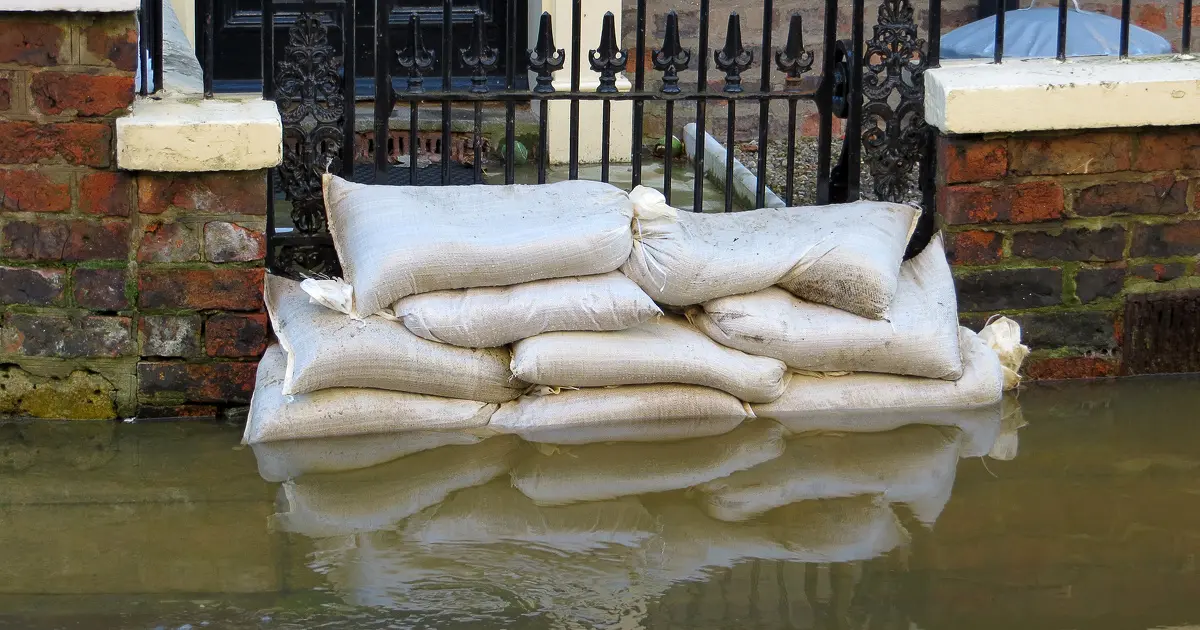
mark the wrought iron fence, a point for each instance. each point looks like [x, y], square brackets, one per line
[150, 46]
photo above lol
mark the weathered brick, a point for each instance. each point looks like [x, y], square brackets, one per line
[1079, 154]
[5, 94]
[225, 382]
[1168, 150]
[232, 242]
[236, 336]
[219, 289]
[1094, 330]
[1070, 368]
[106, 193]
[225, 193]
[27, 240]
[1163, 195]
[169, 242]
[83, 144]
[974, 247]
[169, 335]
[966, 160]
[1009, 288]
[110, 40]
[36, 287]
[1093, 284]
[1159, 272]
[34, 190]
[42, 335]
[100, 289]
[90, 240]
[33, 42]
[1104, 244]
[80, 94]
[155, 412]
[1027, 202]
[1151, 17]
[1168, 239]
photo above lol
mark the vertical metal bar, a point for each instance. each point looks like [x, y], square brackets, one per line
[764, 107]
[207, 33]
[822, 155]
[383, 88]
[414, 141]
[1126, 5]
[824, 113]
[510, 112]
[268, 50]
[1062, 30]
[639, 84]
[144, 49]
[447, 64]
[156, 29]
[669, 151]
[701, 110]
[729, 130]
[270, 255]
[854, 123]
[605, 139]
[348, 74]
[935, 33]
[576, 53]
[998, 49]
[1187, 26]
[543, 141]
[477, 145]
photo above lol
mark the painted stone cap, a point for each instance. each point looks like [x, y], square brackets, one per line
[188, 133]
[77, 6]
[976, 96]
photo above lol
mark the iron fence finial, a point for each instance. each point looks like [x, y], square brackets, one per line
[734, 59]
[608, 59]
[672, 57]
[545, 59]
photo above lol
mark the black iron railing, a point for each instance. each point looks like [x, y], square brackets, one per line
[1061, 29]
[150, 46]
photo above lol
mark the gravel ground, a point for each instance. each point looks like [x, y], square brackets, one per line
[806, 170]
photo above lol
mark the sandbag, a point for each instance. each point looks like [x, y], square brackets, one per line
[289, 459]
[377, 498]
[345, 411]
[847, 256]
[981, 427]
[634, 405]
[649, 431]
[396, 241]
[326, 349]
[980, 385]
[496, 316]
[919, 338]
[914, 465]
[606, 471]
[666, 350]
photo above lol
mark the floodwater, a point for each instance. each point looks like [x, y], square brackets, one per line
[1077, 508]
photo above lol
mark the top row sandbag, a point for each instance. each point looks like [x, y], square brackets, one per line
[396, 241]
[846, 256]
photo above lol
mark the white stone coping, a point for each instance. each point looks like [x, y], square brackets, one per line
[77, 6]
[193, 134]
[972, 97]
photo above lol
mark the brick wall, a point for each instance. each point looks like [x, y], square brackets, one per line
[121, 293]
[1058, 229]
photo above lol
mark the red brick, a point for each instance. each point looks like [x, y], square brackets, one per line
[1080, 154]
[112, 41]
[1151, 17]
[1162, 195]
[1169, 150]
[976, 247]
[106, 193]
[1103, 244]
[236, 336]
[218, 289]
[966, 161]
[225, 193]
[35, 287]
[169, 242]
[84, 144]
[1179, 15]
[169, 335]
[90, 240]
[1027, 202]
[30, 240]
[43, 335]
[100, 289]
[1158, 272]
[5, 93]
[80, 94]
[33, 43]
[225, 382]
[31, 190]
[231, 242]
[1168, 239]
[1070, 368]
[810, 126]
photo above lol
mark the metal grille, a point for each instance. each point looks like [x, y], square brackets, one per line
[1161, 333]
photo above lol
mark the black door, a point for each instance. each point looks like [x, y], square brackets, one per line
[237, 39]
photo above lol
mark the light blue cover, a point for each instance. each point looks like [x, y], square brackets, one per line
[1034, 33]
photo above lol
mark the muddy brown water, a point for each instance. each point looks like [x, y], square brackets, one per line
[1095, 523]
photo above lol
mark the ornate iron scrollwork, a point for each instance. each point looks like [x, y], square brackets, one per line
[672, 57]
[416, 58]
[794, 60]
[608, 59]
[894, 137]
[301, 261]
[545, 59]
[479, 57]
[734, 59]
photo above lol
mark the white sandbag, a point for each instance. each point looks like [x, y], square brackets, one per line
[495, 316]
[327, 349]
[606, 471]
[378, 498]
[914, 465]
[634, 405]
[980, 385]
[345, 411]
[665, 350]
[623, 431]
[395, 241]
[289, 459]
[847, 256]
[1003, 336]
[919, 338]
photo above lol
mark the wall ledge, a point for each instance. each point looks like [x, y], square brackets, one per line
[76, 6]
[973, 97]
[186, 133]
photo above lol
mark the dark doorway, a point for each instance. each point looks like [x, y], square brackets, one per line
[237, 42]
